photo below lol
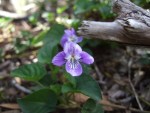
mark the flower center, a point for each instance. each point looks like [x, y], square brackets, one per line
[73, 62]
[72, 38]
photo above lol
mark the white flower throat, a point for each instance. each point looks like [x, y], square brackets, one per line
[73, 38]
[73, 60]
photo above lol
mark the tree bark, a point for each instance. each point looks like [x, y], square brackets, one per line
[132, 26]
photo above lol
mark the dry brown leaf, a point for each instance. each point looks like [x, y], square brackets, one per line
[10, 106]
[80, 98]
[105, 102]
[12, 111]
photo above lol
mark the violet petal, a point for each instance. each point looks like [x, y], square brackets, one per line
[64, 40]
[71, 47]
[59, 59]
[79, 39]
[73, 31]
[86, 58]
[77, 71]
[70, 32]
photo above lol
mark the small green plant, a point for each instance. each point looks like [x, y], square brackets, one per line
[54, 92]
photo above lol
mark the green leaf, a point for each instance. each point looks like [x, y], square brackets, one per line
[88, 86]
[98, 109]
[19, 46]
[46, 80]
[71, 79]
[68, 87]
[105, 9]
[86, 69]
[42, 101]
[51, 40]
[54, 35]
[5, 21]
[56, 88]
[84, 6]
[61, 9]
[31, 72]
[84, 84]
[49, 16]
[39, 38]
[47, 52]
[145, 59]
[92, 107]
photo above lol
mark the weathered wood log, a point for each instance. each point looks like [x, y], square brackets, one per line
[132, 26]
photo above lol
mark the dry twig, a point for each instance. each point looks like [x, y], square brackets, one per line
[123, 107]
[21, 88]
[132, 86]
[99, 74]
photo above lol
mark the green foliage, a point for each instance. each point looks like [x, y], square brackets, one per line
[46, 80]
[22, 42]
[92, 107]
[54, 34]
[42, 101]
[82, 6]
[57, 84]
[60, 10]
[145, 59]
[101, 8]
[33, 19]
[51, 41]
[47, 52]
[90, 87]
[36, 72]
[31, 72]
[38, 39]
[56, 88]
[143, 3]
[105, 9]
[49, 16]
[4, 22]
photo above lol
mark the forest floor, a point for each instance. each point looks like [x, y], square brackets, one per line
[122, 73]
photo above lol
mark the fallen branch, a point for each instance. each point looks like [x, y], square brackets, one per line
[12, 15]
[132, 26]
[28, 10]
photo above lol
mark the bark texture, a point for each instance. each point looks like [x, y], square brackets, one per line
[132, 26]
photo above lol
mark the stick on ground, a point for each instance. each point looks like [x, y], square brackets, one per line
[132, 26]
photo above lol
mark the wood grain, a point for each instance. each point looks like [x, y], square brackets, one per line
[131, 26]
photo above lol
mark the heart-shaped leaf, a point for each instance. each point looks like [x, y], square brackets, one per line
[47, 52]
[42, 101]
[84, 84]
[31, 72]
[92, 107]
[88, 86]
[54, 34]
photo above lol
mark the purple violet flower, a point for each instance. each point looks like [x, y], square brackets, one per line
[71, 57]
[70, 36]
